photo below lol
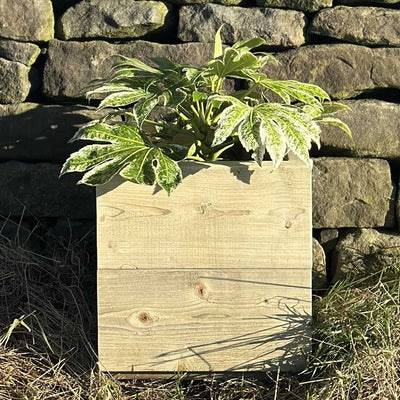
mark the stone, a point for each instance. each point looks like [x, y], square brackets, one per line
[343, 70]
[280, 28]
[25, 53]
[352, 193]
[375, 127]
[372, 2]
[36, 190]
[117, 19]
[303, 5]
[27, 21]
[70, 66]
[362, 25]
[35, 132]
[223, 2]
[14, 82]
[328, 239]
[319, 277]
[364, 252]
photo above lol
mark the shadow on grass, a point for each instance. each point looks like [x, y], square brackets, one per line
[48, 300]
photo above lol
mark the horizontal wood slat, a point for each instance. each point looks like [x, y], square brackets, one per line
[204, 320]
[223, 216]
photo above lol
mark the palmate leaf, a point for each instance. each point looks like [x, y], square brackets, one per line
[126, 154]
[271, 127]
[232, 64]
[143, 108]
[230, 118]
[296, 128]
[290, 90]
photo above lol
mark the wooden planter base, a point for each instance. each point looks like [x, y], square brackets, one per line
[214, 278]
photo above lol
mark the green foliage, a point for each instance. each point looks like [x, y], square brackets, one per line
[210, 120]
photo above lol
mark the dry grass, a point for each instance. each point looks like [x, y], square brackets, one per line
[48, 337]
[48, 334]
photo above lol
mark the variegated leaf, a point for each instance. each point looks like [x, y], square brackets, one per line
[124, 98]
[126, 153]
[335, 122]
[227, 124]
[274, 138]
[143, 108]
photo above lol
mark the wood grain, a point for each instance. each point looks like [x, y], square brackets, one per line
[204, 320]
[236, 215]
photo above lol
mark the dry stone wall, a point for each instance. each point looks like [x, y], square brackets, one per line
[51, 50]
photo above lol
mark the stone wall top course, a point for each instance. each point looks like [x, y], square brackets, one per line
[343, 70]
[27, 20]
[279, 28]
[362, 25]
[113, 19]
[367, 2]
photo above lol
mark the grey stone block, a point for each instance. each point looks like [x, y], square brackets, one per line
[362, 25]
[352, 193]
[375, 127]
[71, 66]
[25, 53]
[365, 252]
[113, 19]
[30, 21]
[303, 5]
[343, 70]
[279, 28]
[14, 82]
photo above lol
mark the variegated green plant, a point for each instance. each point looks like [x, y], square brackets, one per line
[202, 122]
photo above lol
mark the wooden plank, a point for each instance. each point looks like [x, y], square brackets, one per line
[203, 320]
[232, 215]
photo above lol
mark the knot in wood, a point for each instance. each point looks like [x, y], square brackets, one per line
[202, 291]
[145, 318]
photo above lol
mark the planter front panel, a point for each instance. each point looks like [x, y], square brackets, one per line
[236, 216]
[221, 320]
[216, 277]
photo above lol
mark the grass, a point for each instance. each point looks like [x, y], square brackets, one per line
[357, 339]
[48, 336]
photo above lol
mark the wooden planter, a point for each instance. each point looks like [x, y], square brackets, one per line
[216, 277]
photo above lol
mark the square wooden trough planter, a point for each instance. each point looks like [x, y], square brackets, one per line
[214, 278]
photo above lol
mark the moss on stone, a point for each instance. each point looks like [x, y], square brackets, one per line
[105, 20]
[47, 31]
